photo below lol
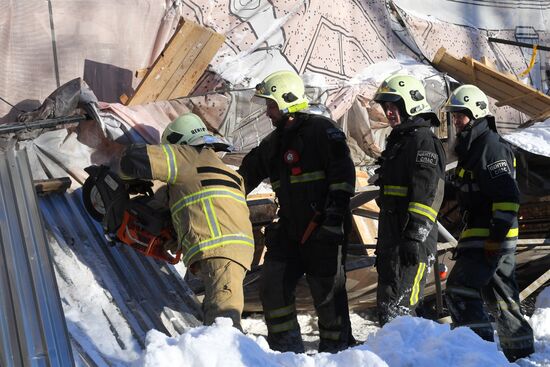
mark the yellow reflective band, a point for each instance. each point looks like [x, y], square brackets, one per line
[423, 210]
[275, 185]
[205, 194]
[211, 219]
[344, 186]
[170, 163]
[416, 286]
[329, 334]
[390, 190]
[285, 326]
[231, 239]
[484, 232]
[462, 172]
[308, 177]
[513, 207]
[280, 312]
[514, 162]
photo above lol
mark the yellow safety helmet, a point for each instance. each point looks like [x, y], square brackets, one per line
[186, 129]
[468, 97]
[407, 88]
[286, 88]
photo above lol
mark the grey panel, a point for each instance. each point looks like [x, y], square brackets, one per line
[32, 324]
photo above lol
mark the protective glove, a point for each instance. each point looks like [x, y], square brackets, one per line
[491, 250]
[138, 186]
[331, 228]
[409, 253]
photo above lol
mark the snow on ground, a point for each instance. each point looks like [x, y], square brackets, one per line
[406, 341]
[540, 322]
[534, 139]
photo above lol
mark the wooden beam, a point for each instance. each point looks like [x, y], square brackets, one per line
[500, 86]
[535, 285]
[180, 65]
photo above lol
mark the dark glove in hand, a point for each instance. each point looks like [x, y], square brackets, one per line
[409, 252]
[491, 250]
[138, 186]
[331, 229]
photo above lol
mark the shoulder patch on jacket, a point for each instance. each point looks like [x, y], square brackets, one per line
[427, 157]
[498, 168]
[335, 134]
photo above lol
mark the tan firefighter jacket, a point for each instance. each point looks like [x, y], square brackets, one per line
[206, 198]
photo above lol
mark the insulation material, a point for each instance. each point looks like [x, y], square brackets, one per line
[368, 41]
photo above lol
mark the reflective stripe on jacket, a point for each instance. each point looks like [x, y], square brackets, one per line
[310, 169]
[206, 198]
[411, 180]
[487, 191]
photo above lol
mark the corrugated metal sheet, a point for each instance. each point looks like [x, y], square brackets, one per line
[150, 294]
[146, 294]
[32, 324]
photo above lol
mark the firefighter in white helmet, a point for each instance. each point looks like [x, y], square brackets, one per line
[308, 162]
[208, 207]
[488, 196]
[411, 180]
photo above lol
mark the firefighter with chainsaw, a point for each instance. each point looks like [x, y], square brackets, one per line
[488, 196]
[411, 179]
[308, 162]
[208, 207]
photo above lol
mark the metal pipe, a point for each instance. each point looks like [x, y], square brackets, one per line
[12, 127]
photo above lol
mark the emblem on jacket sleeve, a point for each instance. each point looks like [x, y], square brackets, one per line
[426, 157]
[498, 168]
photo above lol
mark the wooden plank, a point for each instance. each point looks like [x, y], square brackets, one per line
[535, 285]
[201, 63]
[505, 88]
[367, 228]
[186, 55]
[180, 65]
[163, 65]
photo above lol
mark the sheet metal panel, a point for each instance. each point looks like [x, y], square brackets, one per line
[32, 325]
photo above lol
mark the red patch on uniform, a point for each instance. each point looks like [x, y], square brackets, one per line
[296, 171]
[291, 156]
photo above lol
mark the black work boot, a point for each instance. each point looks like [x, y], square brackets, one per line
[286, 341]
[514, 354]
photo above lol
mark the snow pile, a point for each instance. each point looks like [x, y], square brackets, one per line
[534, 139]
[406, 341]
[540, 322]
[412, 341]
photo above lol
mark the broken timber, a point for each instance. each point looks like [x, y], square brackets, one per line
[504, 88]
[180, 65]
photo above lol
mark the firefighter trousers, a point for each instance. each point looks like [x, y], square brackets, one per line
[473, 281]
[223, 294]
[277, 293]
[400, 288]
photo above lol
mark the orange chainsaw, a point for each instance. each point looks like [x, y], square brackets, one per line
[140, 221]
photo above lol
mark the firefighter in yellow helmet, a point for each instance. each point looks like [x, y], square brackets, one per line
[411, 180]
[208, 207]
[308, 162]
[488, 196]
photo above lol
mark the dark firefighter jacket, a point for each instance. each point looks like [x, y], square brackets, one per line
[487, 191]
[411, 180]
[310, 169]
[206, 198]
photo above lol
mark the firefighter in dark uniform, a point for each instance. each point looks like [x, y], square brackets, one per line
[308, 162]
[489, 200]
[411, 180]
[208, 207]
